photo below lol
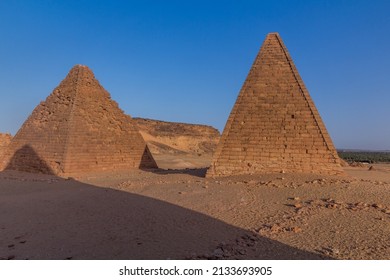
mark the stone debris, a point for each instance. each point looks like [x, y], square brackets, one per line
[298, 205]
[330, 251]
[218, 253]
[236, 249]
[378, 206]
[295, 221]
[278, 228]
[330, 203]
[296, 229]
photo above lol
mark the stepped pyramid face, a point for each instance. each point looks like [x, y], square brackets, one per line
[274, 125]
[78, 129]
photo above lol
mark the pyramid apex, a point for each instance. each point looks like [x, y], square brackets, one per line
[272, 34]
[80, 66]
[80, 72]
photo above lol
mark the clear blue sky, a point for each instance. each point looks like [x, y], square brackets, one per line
[186, 61]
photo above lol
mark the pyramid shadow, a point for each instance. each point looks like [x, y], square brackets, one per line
[26, 159]
[74, 220]
[147, 161]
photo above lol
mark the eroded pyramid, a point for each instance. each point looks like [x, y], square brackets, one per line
[274, 125]
[78, 129]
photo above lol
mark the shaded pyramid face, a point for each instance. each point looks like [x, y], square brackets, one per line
[78, 129]
[274, 125]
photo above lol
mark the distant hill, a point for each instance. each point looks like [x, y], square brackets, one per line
[178, 138]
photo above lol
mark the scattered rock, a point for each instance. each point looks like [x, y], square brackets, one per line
[331, 206]
[377, 206]
[241, 251]
[298, 205]
[218, 253]
[275, 228]
[330, 250]
[296, 229]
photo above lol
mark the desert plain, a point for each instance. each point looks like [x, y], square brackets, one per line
[174, 212]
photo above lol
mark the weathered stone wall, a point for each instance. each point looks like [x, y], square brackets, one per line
[78, 129]
[274, 125]
[5, 139]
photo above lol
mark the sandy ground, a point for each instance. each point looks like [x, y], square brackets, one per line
[183, 161]
[178, 214]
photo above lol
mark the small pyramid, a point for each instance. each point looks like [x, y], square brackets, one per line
[5, 139]
[274, 125]
[78, 129]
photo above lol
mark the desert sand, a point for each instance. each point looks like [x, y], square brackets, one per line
[179, 214]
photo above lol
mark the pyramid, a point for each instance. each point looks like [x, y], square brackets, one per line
[78, 129]
[274, 125]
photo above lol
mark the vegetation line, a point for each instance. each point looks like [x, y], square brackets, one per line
[364, 156]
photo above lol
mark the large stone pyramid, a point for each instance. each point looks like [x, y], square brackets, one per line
[274, 125]
[78, 129]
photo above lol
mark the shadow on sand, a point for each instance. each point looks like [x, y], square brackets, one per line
[67, 219]
[46, 217]
[196, 172]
